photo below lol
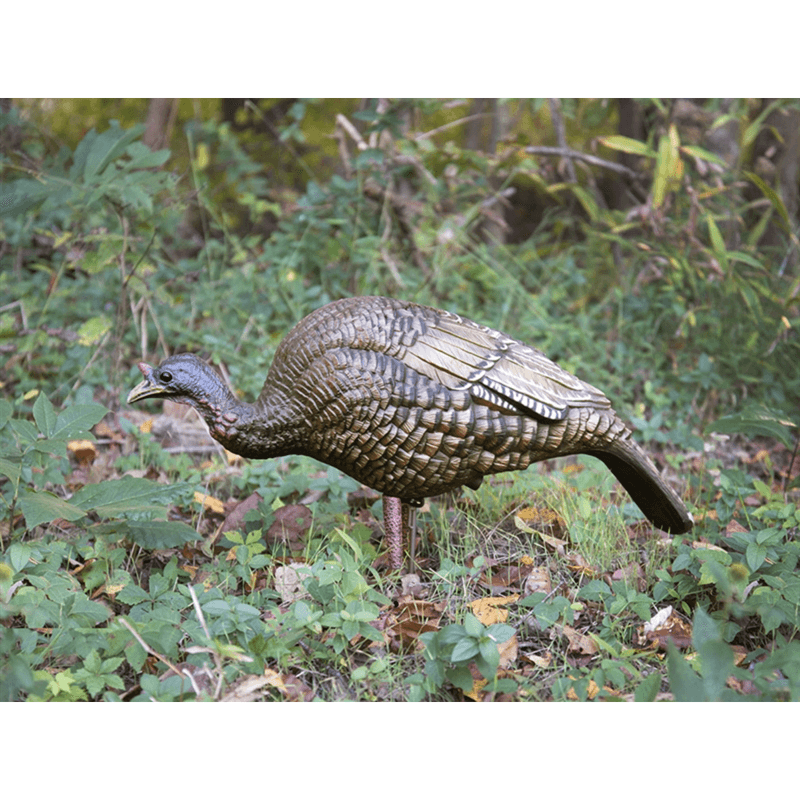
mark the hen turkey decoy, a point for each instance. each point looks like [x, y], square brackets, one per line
[413, 402]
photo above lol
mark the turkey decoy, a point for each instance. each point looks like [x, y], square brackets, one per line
[413, 402]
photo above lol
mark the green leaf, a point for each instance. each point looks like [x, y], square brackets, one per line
[11, 469]
[78, 419]
[771, 195]
[716, 657]
[461, 678]
[93, 330]
[704, 155]
[19, 554]
[625, 145]
[107, 146]
[464, 650]
[686, 686]
[473, 626]
[132, 594]
[44, 414]
[127, 497]
[489, 652]
[41, 507]
[755, 555]
[160, 534]
[647, 690]
[757, 422]
[500, 632]
[717, 243]
[6, 409]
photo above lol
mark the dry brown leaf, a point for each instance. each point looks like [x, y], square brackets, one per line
[289, 584]
[544, 662]
[734, 527]
[631, 573]
[291, 525]
[592, 691]
[403, 626]
[578, 642]
[248, 689]
[83, 450]
[551, 541]
[411, 587]
[508, 652]
[234, 521]
[698, 545]
[489, 610]
[209, 503]
[664, 627]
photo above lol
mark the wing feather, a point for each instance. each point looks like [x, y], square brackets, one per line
[496, 369]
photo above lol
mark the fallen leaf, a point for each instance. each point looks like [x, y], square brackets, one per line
[289, 583]
[83, 450]
[664, 627]
[403, 626]
[234, 521]
[489, 610]
[544, 662]
[578, 642]
[291, 524]
[209, 503]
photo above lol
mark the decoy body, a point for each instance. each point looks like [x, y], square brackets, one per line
[413, 402]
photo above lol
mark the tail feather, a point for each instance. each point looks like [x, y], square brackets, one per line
[636, 472]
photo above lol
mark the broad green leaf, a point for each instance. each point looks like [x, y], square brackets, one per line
[473, 626]
[755, 555]
[160, 534]
[142, 157]
[6, 409]
[41, 507]
[465, 649]
[11, 469]
[87, 612]
[461, 678]
[19, 555]
[93, 330]
[45, 415]
[647, 690]
[716, 657]
[78, 419]
[501, 632]
[757, 422]
[132, 595]
[127, 497]
[56, 447]
[107, 146]
[20, 196]
[685, 685]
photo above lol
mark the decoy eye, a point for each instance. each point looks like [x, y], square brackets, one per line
[166, 377]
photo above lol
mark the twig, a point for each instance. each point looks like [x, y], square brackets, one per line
[568, 152]
[791, 464]
[214, 654]
[420, 136]
[557, 118]
[147, 647]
